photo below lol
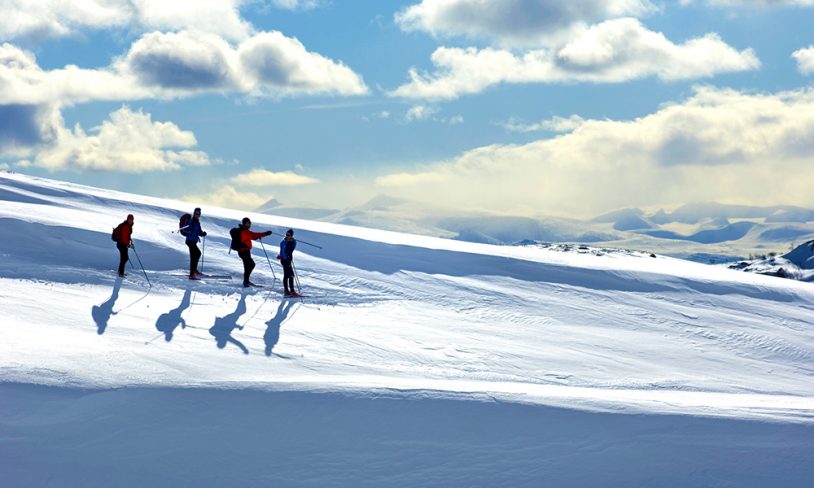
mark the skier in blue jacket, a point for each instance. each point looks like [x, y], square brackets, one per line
[286, 257]
[193, 232]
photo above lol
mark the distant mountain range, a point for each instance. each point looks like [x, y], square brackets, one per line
[704, 232]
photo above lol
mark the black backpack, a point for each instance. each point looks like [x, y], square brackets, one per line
[117, 233]
[237, 242]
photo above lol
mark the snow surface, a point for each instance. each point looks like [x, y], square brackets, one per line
[415, 361]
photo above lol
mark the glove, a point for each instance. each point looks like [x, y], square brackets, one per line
[279, 257]
[203, 234]
[268, 232]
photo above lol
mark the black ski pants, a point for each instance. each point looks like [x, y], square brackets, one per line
[248, 264]
[123, 257]
[194, 257]
[288, 275]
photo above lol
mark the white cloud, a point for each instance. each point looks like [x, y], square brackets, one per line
[180, 64]
[281, 65]
[554, 124]
[181, 61]
[613, 51]
[128, 142]
[295, 4]
[228, 197]
[514, 22]
[805, 60]
[720, 145]
[24, 82]
[32, 20]
[263, 177]
[220, 17]
[420, 112]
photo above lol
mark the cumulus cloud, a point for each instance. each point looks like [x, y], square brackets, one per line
[181, 61]
[266, 178]
[220, 17]
[514, 22]
[613, 51]
[33, 20]
[276, 63]
[805, 60]
[268, 63]
[180, 64]
[129, 142]
[719, 145]
[22, 81]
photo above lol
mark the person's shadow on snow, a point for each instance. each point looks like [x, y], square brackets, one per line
[272, 335]
[222, 330]
[101, 313]
[168, 322]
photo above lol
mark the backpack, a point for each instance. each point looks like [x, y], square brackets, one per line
[237, 242]
[117, 233]
[183, 224]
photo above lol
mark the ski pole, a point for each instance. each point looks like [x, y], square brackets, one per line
[203, 253]
[296, 277]
[309, 244]
[267, 259]
[142, 267]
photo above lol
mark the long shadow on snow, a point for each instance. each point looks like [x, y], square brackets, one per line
[168, 322]
[272, 335]
[222, 330]
[101, 313]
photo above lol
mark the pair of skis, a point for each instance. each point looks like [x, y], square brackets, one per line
[203, 277]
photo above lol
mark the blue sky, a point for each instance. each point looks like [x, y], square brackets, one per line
[522, 107]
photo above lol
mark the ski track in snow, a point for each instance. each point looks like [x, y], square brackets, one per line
[389, 312]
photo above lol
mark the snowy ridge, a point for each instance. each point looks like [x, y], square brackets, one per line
[390, 311]
[415, 361]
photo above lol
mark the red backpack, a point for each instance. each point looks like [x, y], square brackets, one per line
[183, 224]
[117, 233]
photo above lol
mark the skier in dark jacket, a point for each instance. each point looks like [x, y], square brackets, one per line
[193, 232]
[245, 251]
[124, 242]
[286, 257]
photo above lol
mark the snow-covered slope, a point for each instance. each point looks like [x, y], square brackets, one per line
[420, 319]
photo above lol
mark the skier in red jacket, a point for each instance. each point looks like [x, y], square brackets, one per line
[245, 251]
[124, 232]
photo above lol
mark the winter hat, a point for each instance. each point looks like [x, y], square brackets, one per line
[130, 217]
[197, 210]
[246, 221]
[289, 232]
